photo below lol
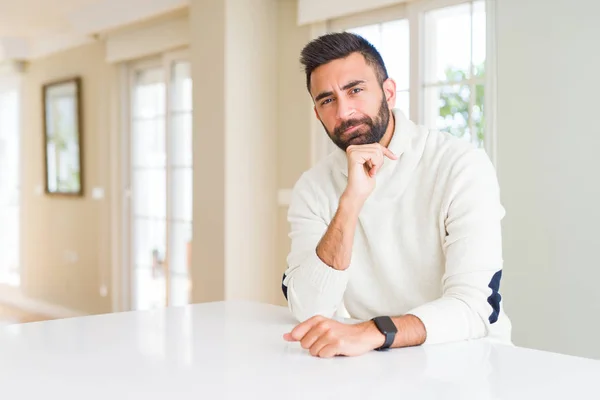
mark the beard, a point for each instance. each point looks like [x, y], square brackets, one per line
[371, 131]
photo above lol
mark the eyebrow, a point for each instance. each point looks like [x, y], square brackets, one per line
[345, 87]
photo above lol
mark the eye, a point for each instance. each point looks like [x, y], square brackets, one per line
[326, 101]
[356, 90]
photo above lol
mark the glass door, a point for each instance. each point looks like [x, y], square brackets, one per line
[160, 182]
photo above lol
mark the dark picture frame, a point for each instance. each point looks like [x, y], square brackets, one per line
[63, 137]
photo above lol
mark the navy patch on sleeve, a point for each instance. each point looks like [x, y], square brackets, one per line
[494, 299]
[284, 288]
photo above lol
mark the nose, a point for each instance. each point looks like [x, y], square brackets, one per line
[344, 109]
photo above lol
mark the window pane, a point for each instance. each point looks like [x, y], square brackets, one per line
[181, 134]
[479, 38]
[447, 109]
[180, 290]
[403, 103]
[395, 50]
[9, 149]
[179, 262]
[149, 193]
[9, 245]
[148, 143]
[181, 194]
[149, 93]
[181, 87]
[479, 115]
[370, 32]
[448, 44]
[181, 236]
[150, 243]
[391, 39]
[150, 289]
[180, 159]
[150, 248]
[9, 187]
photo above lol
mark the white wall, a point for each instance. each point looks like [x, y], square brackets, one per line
[549, 169]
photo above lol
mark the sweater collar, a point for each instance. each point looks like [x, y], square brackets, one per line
[398, 143]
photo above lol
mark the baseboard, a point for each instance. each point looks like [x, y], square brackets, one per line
[14, 298]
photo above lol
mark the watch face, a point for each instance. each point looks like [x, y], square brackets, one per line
[385, 324]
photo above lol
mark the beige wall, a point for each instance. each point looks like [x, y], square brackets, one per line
[207, 20]
[56, 228]
[251, 149]
[294, 111]
[235, 179]
[293, 121]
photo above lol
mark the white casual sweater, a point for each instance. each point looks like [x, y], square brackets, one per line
[428, 240]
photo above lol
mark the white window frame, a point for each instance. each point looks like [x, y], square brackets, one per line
[414, 12]
[128, 70]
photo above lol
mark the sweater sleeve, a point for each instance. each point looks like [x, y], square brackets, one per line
[470, 300]
[310, 286]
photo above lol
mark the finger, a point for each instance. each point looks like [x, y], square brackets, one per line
[388, 153]
[302, 329]
[314, 335]
[373, 170]
[325, 340]
[363, 156]
[328, 351]
[369, 148]
[370, 157]
[376, 160]
[288, 337]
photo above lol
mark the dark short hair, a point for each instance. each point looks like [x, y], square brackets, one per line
[334, 46]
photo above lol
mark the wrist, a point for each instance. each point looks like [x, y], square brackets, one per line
[351, 203]
[372, 335]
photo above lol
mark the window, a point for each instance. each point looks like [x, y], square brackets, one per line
[454, 86]
[9, 186]
[392, 41]
[161, 182]
[436, 53]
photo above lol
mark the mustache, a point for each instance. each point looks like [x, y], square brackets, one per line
[350, 123]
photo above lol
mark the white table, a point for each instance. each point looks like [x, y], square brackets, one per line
[235, 350]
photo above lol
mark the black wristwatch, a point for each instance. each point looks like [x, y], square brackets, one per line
[387, 327]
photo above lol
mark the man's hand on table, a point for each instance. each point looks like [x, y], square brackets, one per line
[324, 337]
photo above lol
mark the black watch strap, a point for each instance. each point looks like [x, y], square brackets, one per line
[386, 326]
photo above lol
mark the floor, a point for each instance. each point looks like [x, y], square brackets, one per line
[10, 315]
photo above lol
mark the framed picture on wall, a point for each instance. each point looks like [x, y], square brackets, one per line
[63, 137]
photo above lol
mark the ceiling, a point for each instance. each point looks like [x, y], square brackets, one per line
[35, 28]
[37, 17]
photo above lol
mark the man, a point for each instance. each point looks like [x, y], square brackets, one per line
[400, 228]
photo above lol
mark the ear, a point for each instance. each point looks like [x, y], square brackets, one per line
[389, 90]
